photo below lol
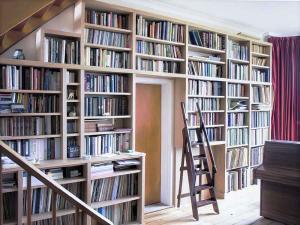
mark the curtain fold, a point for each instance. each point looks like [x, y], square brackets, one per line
[285, 121]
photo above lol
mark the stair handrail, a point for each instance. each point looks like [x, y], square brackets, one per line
[50, 183]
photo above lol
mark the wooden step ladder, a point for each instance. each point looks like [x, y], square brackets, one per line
[197, 166]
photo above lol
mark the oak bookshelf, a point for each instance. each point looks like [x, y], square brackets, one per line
[213, 58]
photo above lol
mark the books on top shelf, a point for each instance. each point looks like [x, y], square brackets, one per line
[261, 94]
[96, 82]
[259, 61]
[259, 136]
[260, 75]
[259, 48]
[238, 50]
[236, 119]
[207, 39]
[204, 88]
[127, 164]
[157, 65]
[61, 50]
[237, 71]
[106, 106]
[106, 38]
[114, 187]
[204, 104]
[106, 58]
[157, 49]
[237, 179]
[260, 119]
[256, 156]
[237, 136]
[22, 126]
[204, 69]
[99, 168]
[108, 19]
[107, 144]
[12, 78]
[164, 30]
[236, 90]
[237, 157]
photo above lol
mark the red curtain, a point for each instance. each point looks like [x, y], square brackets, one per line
[285, 123]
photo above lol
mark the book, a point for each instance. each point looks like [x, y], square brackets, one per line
[259, 61]
[259, 48]
[204, 69]
[260, 119]
[207, 39]
[256, 155]
[237, 136]
[261, 94]
[237, 71]
[259, 136]
[261, 75]
[213, 134]
[157, 65]
[236, 119]
[208, 119]
[236, 90]
[238, 50]
[236, 157]
[203, 88]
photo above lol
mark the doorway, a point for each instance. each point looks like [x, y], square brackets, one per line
[154, 136]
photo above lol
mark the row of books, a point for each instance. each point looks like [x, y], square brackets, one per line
[260, 119]
[22, 126]
[213, 134]
[38, 149]
[259, 136]
[61, 50]
[114, 187]
[108, 19]
[237, 104]
[237, 136]
[259, 48]
[60, 220]
[96, 82]
[204, 69]
[236, 157]
[107, 144]
[124, 213]
[157, 65]
[207, 39]
[10, 200]
[237, 179]
[237, 71]
[256, 155]
[41, 199]
[238, 50]
[165, 50]
[164, 30]
[208, 119]
[106, 106]
[106, 58]
[204, 88]
[72, 126]
[204, 104]
[13, 78]
[107, 38]
[236, 90]
[73, 147]
[261, 94]
[28, 103]
[260, 75]
[259, 61]
[236, 119]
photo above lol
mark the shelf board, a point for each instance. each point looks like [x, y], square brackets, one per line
[107, 132]
[72, 117]
[214, 143]
[260, 67]
[28, 114]
[196, 77]
[114, 202]
[29, 137]
[74, 100]
[60, 181]
[48, 215]
[8, 190]
[206, 126]
[258, 145]
[199, 59]
[255, 128]
[107, 28]
[107, 69]
[106, 93]
[261, 110]
[235, 168]
[107, 117]
[238, 97]
[205, 50]
[237, 111]
[30, 91]
[240, 61]
[206, 96]
[261, 83]
[108, 47]
[237, 146]
[234, 127]
[156, 57]
[159, 74]
[73, 84]
[73, 135]
[156, 40]
[238, 81]
[102, 175]
[263, 55]
[208, 111]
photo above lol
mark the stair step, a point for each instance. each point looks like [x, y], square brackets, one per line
[199, 157]
[202, 188]
[201, 172]
[206, 202]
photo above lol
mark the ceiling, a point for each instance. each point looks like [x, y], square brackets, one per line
[258, 18]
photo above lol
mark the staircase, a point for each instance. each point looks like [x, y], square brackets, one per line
[81, 207]
[20, 30]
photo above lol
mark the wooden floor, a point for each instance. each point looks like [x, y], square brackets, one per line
[239, 208]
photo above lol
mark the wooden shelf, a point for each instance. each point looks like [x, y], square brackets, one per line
[74, 100]
[255, 128]
[107, 69]
[155, 40]
[199, 59]
[260, 54]
[60, 181]
[6, 138]
[30, 91]
[237, 146]
[103, 175]
[234, 127]
[237, 97]
[106, 93]
[260, 67]
[237, 111]
[258, 145]
[208, 111]
[114, 202]
[205, 50]
[108, 47]
[73, 84]
[261, 83]
[159, 74]
[196, 77]
[238, 81]
[236, 168]
[72, 117]
[207, 126]
[155, 57]
[107, 117]
[205, 96]
[73, 135]
[107, 132]
[239, 61]
[106, 28]
[28, 114]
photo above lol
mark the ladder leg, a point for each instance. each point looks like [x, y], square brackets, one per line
[181, 173]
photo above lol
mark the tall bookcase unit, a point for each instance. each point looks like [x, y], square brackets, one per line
[89, 108]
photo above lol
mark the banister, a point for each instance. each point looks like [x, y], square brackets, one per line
[50, 183]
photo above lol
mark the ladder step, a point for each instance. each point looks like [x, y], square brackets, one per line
[200, 157]
[201, 172]
[202, 188]
[206, 202]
